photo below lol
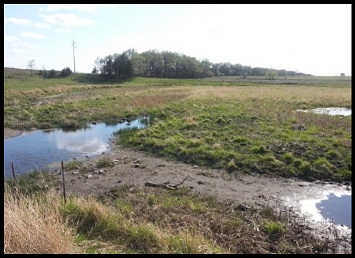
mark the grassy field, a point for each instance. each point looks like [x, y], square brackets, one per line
[241, 125]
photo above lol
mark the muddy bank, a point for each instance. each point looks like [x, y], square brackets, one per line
[135, 168]
[8, 133]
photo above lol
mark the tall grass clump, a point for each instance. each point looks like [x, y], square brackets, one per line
[33, 224]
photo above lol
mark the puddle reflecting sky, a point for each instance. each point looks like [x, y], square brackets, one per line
[333, 111]
[332, 204]
[38, 149]
[336, 208]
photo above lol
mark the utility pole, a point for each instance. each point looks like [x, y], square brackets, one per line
[74, 53]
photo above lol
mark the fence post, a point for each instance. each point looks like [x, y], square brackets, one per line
[65, 200]
[13, 171]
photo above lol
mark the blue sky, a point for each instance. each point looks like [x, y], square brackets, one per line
[313, 39]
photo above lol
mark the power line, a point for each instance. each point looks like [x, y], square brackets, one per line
[74, 53]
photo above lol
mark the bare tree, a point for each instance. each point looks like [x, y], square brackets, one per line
[31, 64]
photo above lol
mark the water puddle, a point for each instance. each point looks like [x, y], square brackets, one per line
[324, 205]
[333, 111]
[336, 209]
[39, 149]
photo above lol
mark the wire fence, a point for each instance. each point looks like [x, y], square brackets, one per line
[64, 187]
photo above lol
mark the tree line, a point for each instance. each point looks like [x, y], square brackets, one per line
[166, 64]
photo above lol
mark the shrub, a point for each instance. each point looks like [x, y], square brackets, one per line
[52, 73]
[65, 72]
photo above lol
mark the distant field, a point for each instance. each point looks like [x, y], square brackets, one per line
[290, 80]
[21, 79]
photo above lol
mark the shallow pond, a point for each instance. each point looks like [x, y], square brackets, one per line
[333, 111]
[39, 149]
[324, 204]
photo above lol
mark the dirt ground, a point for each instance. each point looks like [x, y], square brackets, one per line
[134, 168]
[8, 133]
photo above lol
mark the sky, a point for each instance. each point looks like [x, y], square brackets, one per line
[307, 38]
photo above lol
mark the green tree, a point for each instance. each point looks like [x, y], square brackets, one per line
[66, 72]
[271, 74]
[52, 73]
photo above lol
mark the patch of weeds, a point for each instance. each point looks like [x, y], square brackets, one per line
[288, 158]
[105, 162]
[142, 238]
[152, 199]
[241, 140]
[92, 249]
[332, 154]
[298, 163]
[306, 170]
[183, 191]
[234, 222]
[124, 207]
[343, 175]
[80, 238]
[267, 212]
[33, 182]
[231, 166]
[258, 150]
[220, 120]
[71, 165]
[274, 229]
[186, 203]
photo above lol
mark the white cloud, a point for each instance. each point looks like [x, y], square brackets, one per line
[16, 51]
[24, 44]
[16, 42]
[42, 25]
[91, 8]
[31, 35]
[10, 39]
[66, 29]
[67, 19]
[18, 21]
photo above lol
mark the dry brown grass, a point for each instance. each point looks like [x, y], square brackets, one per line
[299, 94]
[33, 225]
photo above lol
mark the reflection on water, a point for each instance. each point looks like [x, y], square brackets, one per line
[337, 209]
[39, 149]
[333, 111]
[327, 204]
[333, 206]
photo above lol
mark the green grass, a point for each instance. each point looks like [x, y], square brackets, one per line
[34, 182]
[274, 228]
[251, 136]
[240, 125]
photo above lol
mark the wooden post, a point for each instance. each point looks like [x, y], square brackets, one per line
[13, 171]
[65, 200]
